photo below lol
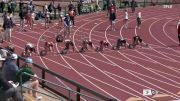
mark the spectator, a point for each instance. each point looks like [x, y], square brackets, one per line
[2, 57]
[50, 7]
[59, 8]
[4, 16]
[2, 6]
[10, 90]
[28, 81]
[20, 5]
[10, 9]
[13, 6]
[10, 68]
[8, 25]
[22, 17]
[70, 6]
[133, 5]
[79, 6]
[126, 3]
[45, 7]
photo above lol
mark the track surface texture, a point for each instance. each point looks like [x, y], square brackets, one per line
[119, 74]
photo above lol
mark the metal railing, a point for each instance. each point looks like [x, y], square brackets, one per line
[58, 98]
[44, 82]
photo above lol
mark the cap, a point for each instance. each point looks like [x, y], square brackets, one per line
[29, 60]
[14, 56]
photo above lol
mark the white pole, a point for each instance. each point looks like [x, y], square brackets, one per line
[97, 2]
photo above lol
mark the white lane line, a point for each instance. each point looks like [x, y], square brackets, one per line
[150, 77]
[118, 59]
[144, 59]
[160, 57]
[99, 60]
[51, 59]
[158, 52]
[107, 84]
[164, 73]
[116, 64]
[170, 54]
[78, 61]
[146, 68]
[146, 87]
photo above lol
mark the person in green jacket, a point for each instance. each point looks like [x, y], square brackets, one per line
[28, 81]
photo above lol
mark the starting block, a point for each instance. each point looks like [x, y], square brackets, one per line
[167, 6]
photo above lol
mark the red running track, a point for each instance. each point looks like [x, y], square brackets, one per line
[119, 74]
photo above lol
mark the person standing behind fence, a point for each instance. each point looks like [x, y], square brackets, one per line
[178, 30]
[28, 81]
[10, 90]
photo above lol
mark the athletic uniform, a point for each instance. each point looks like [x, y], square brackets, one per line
[112, 12]
[71, 15]
[126, 19]
[59, 38]
[30, 47]
[139, 19]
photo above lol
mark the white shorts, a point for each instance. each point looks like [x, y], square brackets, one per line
[27, 84]
[113, 21]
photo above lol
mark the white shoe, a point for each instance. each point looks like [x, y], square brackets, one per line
[38, 97]
[14, 84]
